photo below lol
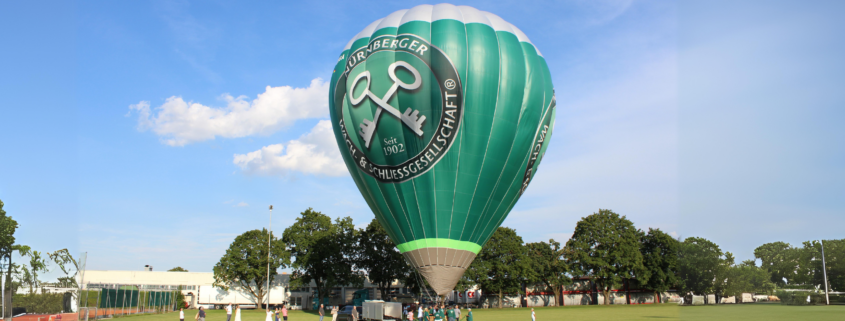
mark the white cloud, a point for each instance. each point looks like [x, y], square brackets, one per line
[143, 109]
[179, 123]
[313, 153]
[242, 204]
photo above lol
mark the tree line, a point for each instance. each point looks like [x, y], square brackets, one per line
[605, 248]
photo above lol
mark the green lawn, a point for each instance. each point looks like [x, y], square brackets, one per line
[592, 313]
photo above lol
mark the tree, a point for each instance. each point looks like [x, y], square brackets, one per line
[834, 254]
[747, 277]
[7, 241]
[177, 269]
[502, 264]
[416, 283]
[660, 261]
[780, 260]
[378, 256]
[178, 297]
[7, 232]
[323, 252]
[550, 266]
[723, 274]
[464, 283]
[37, 264]
[244, 265]
[699, 260]
[805, 271]
[68, 265]
[606, 248]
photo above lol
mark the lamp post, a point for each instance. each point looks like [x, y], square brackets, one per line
[824, 272]
[3, 289]
[269, 238]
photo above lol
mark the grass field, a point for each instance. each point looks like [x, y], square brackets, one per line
[592, 313]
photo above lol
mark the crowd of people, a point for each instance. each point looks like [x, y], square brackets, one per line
[441, 313]
[427, 313]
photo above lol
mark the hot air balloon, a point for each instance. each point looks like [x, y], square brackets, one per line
[442, 114]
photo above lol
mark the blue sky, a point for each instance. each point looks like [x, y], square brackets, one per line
[712, 119]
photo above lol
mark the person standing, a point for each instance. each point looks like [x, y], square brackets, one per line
[238, 313]
[533, 317]
[420, 313]
[354, 313]
[334, 313]
[321, 312]
[450, 315]
[276, 312]
[284, 313]
[457, 312]
[200, 315]
[181, 315]
[469, 314]
[229, 312]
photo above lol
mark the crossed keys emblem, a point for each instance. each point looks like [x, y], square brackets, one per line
[409, 118]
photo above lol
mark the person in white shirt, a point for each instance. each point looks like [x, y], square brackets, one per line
[229, 312]
[533, 317]
[420, 313]
[181, 315]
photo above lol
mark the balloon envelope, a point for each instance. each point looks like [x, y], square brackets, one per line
[442, 114]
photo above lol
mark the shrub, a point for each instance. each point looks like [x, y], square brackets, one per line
[800, 298]
[40, 303]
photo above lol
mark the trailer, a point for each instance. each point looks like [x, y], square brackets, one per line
[465, 298]
[382, 311]
[212, 297]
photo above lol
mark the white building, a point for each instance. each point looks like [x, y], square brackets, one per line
[196, 286]
[199, 289]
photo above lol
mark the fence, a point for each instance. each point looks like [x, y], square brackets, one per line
[114, 300]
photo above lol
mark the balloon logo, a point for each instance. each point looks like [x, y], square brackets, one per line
[442, 114]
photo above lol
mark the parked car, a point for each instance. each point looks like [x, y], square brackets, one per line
[345, 313]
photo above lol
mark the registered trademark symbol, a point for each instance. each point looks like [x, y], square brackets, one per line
[450, 84]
